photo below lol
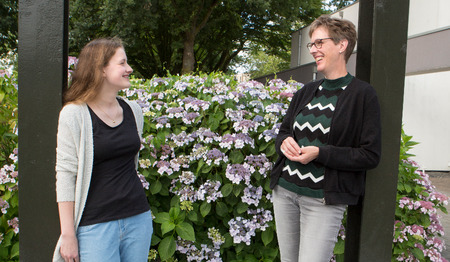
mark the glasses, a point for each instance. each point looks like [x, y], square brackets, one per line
[318, 43]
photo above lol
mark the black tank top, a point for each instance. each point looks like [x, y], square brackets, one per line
[115, 191]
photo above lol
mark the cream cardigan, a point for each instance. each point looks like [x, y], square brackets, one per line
[75, 157]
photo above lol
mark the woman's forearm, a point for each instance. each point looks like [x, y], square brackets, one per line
[66, 218]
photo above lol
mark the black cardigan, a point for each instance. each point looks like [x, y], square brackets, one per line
[354, 142]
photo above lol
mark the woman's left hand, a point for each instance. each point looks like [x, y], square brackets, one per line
[309, 153]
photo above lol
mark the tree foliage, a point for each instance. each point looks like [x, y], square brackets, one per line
[258, 63]
[333, 5]
[180, 36]
[8, 26]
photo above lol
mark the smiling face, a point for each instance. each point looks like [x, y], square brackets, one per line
[117, 72]
[329, 58]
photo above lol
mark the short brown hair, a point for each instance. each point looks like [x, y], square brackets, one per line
[87, 77]
[338, 29]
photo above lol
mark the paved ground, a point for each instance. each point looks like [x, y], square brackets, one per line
[441, 180]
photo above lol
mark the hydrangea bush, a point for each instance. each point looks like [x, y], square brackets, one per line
[417, 228]
[208, 148]
[9, 197]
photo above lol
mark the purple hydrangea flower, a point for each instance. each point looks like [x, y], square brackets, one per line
[210, 189]
[238, 172]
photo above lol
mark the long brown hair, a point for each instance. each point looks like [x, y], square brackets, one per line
[338, 29]
[87, 77]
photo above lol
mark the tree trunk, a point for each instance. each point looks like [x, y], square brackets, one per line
[188, 53]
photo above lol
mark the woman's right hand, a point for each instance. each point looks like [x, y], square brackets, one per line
[69, 241]
[69, 248]
[291, 149]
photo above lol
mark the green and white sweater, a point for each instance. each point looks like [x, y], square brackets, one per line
[311, 128]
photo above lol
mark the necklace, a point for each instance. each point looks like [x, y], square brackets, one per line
[114, 121]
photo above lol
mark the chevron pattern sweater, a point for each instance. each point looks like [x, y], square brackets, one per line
[311, 128]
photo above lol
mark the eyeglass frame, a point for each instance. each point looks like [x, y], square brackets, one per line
[318, 41]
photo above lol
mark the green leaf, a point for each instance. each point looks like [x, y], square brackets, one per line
[407, 188]
[192, 216]
[162, 217]
[167, 227]
[228, 241]
[155, 187]
[207, 169]
[174, 212]
[155, 240]
[237, 189]
[239, 247]
[213, 123]
[339, 247]
[263, 146]
[7, 195]
[269, 253]
[185, 231]
[267, 185]
[15, 250]
[236, 157]
[7, 239]
[418, 253]
[205, 208]
[257, 176]
[175, 201]
[4, 253]
[250, 258]
[221, 209]
[226, 189]
[167, 247]
[200, 164]
[241, 207]
[270, 151]
[267, 236]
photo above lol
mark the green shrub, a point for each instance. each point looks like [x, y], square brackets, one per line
[417, 229]
[9, 201]
[207, 151]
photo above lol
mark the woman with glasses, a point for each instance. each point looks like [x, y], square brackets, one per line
[329, 137]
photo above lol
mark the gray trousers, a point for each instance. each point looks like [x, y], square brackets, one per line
[307, 229]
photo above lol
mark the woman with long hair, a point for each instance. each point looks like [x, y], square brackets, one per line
[104, 212]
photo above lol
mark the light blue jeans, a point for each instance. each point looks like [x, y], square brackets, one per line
[123, 240]
[307, 229]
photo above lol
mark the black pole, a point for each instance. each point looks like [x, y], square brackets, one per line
[381, 59]
[43, 34]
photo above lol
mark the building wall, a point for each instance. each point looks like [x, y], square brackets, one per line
[426, 117]
[428, 15]
[428, 53]
[426, 107]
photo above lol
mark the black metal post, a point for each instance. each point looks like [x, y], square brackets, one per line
[43, 49]
[381, 58]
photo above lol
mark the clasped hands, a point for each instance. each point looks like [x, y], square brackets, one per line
[293, 152]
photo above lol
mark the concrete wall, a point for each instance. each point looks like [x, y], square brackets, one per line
[426, 107]
[426, 117]
[428, 53]
[428, 15]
